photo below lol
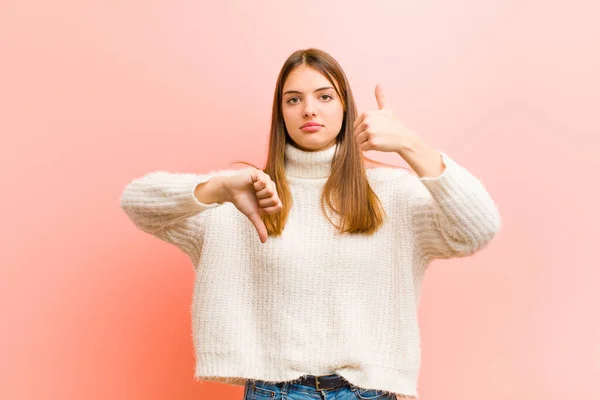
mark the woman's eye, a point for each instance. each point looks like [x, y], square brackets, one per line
[290, 100]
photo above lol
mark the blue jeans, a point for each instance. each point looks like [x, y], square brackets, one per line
[260, 390]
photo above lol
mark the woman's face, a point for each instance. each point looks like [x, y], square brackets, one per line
[309, 97]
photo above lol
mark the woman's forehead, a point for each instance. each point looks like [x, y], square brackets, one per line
[306, 79]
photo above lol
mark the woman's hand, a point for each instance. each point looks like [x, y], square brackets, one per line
[381, 130]
[253, 193]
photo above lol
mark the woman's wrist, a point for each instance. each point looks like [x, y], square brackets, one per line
[221, 187]
[213, 190]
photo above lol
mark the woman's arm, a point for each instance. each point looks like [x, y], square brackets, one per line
[162, 199]
[453, 215]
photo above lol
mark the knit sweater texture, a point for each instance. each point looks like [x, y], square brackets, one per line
[313, 301]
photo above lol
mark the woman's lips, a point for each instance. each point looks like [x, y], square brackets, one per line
[311, 128]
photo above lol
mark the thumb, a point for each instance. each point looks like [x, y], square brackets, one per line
[260, 226]
[381, 102]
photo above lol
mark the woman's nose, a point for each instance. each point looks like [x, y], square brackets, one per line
[309, 109]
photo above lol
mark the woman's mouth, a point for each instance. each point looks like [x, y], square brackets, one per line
[311, 128]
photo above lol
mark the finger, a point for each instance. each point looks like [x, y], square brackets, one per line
[261, 181]
[359, 120]
[254, 175]
[381, 102]
[264, 193]
[362, 138]
[366, 146]
[261, 229]
[269, 190]
[360, 129]
[268, 202]
[273, 209]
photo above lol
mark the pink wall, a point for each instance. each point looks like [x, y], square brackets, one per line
[93, 95]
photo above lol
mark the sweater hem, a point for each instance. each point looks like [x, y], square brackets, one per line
[237, 369]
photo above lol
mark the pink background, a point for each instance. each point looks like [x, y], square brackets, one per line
[93, 94]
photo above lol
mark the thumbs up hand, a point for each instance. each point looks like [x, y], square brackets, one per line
[380, 130]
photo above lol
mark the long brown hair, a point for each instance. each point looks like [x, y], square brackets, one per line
[347, 191]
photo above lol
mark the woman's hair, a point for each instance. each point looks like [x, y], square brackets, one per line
[347, 191]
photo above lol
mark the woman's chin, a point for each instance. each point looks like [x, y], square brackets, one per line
[314, 144]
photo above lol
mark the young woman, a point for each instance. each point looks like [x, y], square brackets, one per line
[309, 271]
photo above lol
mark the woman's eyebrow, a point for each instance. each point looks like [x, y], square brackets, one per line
[295, 91]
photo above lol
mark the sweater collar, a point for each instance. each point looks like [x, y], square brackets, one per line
[308, 164]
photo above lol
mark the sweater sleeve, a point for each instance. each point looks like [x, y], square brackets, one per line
[160, 200]
[453, 214]
[163, 203]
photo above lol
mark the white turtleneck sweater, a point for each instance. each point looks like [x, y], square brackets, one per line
[313, 301]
